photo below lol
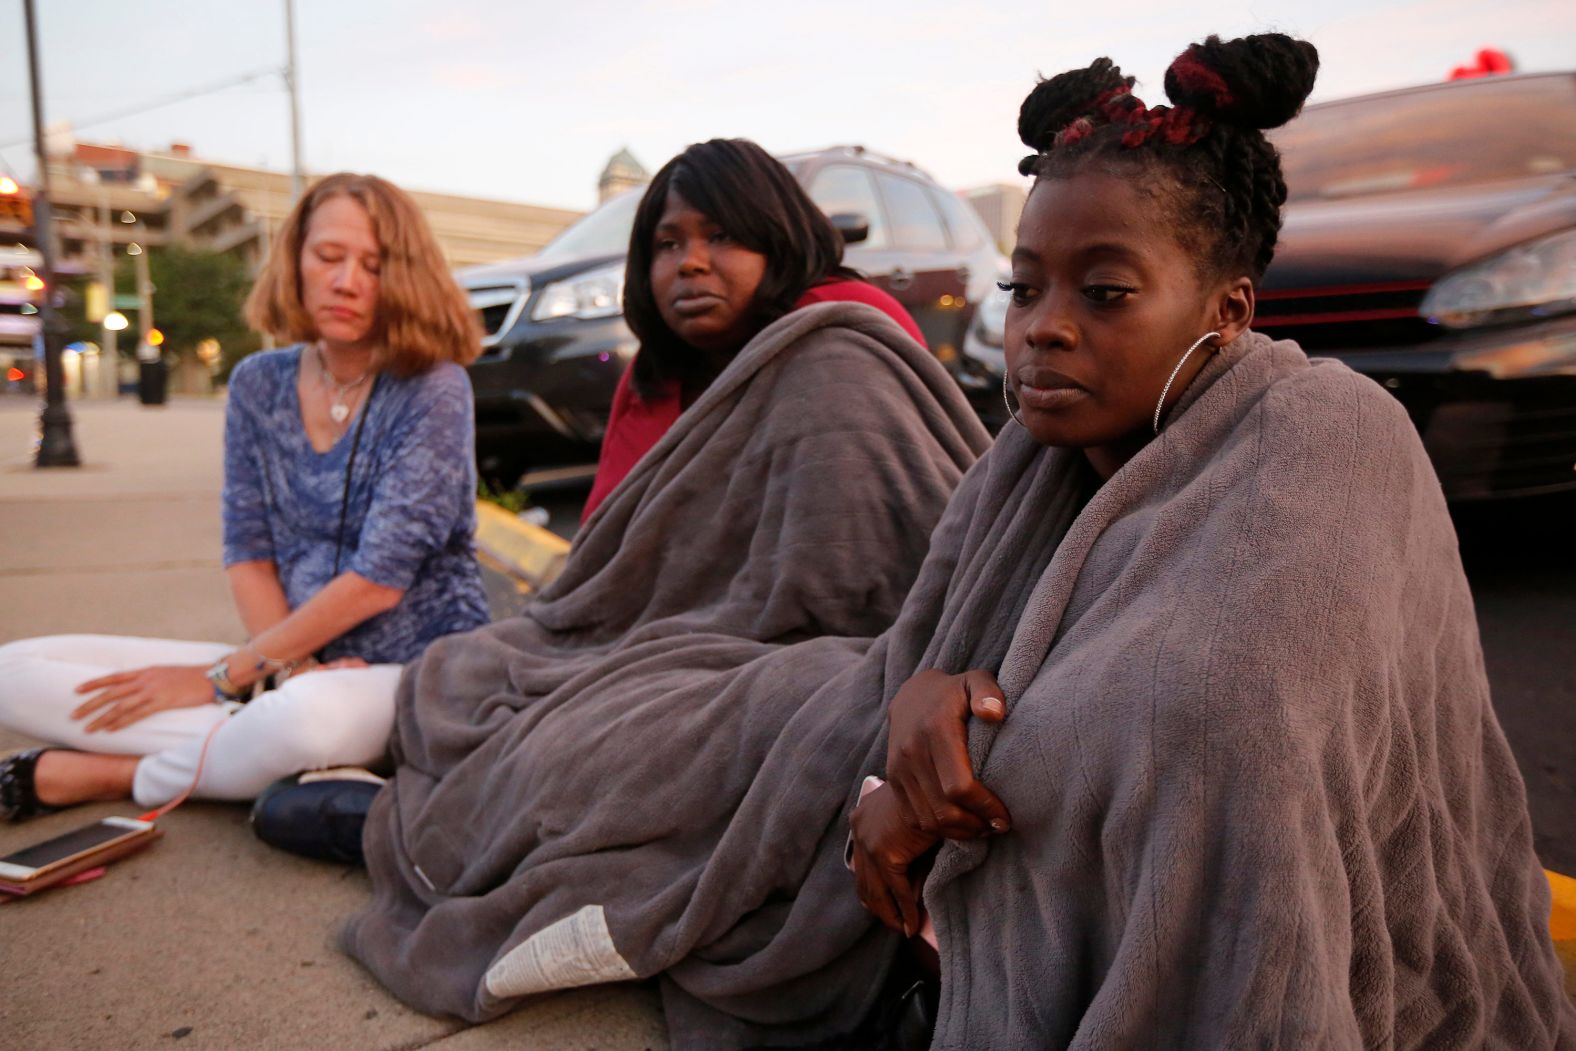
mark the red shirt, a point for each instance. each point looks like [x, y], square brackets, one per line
[636, 424]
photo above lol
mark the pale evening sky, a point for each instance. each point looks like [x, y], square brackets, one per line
[526, 101]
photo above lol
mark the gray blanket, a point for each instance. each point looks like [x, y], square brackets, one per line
[1259, 794]
[649, 770]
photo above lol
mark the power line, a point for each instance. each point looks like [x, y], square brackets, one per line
[168, 100]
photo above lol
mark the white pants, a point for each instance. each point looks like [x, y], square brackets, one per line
[323, 718]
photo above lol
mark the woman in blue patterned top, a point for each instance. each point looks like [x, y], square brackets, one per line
[349, 513]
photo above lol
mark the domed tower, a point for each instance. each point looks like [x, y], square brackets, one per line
[622, 173]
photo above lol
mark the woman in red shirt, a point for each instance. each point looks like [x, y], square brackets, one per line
[793, 462]
[712, 261]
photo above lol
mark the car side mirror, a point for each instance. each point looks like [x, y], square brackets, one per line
[852, 225]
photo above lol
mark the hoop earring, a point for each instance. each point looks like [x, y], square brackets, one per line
[1159, 405]
[1008, 401]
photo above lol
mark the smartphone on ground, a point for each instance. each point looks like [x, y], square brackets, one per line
[45, 864]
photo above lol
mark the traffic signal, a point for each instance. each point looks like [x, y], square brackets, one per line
[155, 338]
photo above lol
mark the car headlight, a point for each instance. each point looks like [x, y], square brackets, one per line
[1532, 280]
[990, 320]
[595, 293]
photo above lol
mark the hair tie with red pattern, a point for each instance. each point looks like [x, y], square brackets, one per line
[1192, 74]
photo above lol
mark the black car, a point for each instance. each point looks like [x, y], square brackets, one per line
[1429, 242]
[555, 340]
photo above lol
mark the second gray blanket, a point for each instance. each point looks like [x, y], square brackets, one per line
[632, 778]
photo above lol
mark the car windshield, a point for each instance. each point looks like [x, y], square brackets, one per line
[1452, 136]
[603, 232]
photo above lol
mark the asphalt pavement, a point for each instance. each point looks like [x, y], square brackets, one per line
[1522, 567]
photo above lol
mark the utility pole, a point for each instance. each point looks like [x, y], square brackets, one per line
[153, 373]
[144, 292]
[109, 352]
[55, 446]
[297, 175]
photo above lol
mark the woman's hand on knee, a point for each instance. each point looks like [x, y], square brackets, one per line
[123, 698]
[885, 847]
[928, 766]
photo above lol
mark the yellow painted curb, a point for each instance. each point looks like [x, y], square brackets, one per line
[1562, 924]
[530, 555]
[1562, 920]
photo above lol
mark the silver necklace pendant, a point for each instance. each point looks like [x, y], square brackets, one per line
[338, 411]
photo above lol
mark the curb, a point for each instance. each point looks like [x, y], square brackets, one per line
[1562, 924]
[528, 555]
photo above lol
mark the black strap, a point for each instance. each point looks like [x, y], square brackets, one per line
[344, 498]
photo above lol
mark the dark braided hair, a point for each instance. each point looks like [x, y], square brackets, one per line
[1205, 158]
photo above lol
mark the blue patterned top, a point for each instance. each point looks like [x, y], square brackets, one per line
[411, 513]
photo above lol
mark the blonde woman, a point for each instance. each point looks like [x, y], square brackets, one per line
[348, 520]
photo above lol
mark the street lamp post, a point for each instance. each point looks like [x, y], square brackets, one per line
[144, 288]
[55, 447]
[109, 353]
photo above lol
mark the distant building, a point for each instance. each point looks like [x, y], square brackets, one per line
[623, 172]
[999, 204]
[108, 194]
[106, 198]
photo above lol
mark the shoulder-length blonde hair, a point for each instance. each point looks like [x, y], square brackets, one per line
[422, 316]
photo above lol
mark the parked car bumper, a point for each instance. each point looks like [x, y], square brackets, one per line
[1496, 407]
[544, 392]
[979, 370]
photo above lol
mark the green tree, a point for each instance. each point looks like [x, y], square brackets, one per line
[72, 305]
[198, 295]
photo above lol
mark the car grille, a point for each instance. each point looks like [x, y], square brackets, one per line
[1522, 442]
[1487, 436]
[497, 305]
[1347, 317]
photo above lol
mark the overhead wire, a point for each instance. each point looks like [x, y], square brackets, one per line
[168, 100]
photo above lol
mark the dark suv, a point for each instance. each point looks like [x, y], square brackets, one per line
[556, 342]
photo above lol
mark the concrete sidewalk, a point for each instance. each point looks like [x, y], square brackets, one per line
[208, 938]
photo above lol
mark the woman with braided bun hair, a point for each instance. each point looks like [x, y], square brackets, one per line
[1189, 739]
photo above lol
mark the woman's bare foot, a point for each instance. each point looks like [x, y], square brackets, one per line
[63, 777]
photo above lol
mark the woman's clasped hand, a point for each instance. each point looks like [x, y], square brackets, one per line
[931, 792]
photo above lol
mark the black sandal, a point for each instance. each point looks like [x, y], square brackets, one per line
[18, 792]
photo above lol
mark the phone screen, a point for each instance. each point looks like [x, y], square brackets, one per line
[73, 842]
